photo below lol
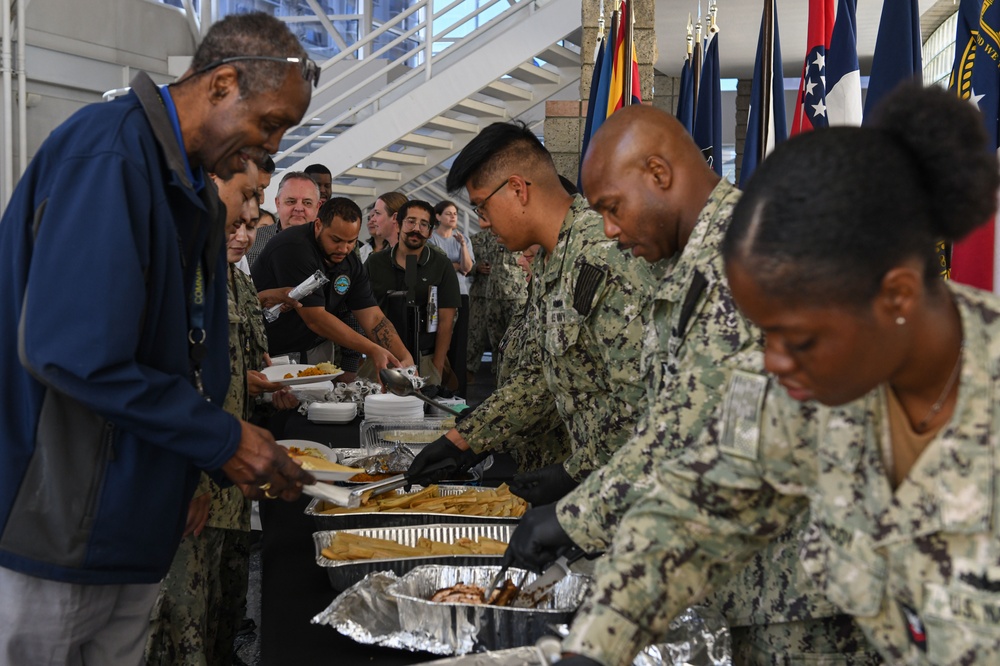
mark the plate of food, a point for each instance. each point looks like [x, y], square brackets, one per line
[293, 374]
[319, 460]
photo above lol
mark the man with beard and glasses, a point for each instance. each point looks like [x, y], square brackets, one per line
[387, 271]
[327, 245]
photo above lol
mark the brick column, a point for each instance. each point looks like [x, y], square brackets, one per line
[666, 89]
[564, 120]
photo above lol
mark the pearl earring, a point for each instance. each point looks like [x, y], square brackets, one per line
[900, 321]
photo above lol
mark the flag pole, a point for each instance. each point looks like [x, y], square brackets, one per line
[767, 78]
[627, 15]
[697, 62]
[690, 37]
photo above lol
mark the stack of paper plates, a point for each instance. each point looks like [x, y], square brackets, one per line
[332, 412]
[388, 406]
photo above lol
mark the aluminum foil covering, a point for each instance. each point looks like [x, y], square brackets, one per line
[476, 627]
[521, 656]
[697, 637]
[351, 521]
[368, 614]
[396, 459]
[344, 573]
[355, 392]
[415, 379]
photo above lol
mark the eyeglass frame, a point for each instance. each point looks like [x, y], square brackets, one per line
[480, 209]
[308, 68]
[427, 226]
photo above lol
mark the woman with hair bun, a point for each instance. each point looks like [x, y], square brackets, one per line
[876, 405]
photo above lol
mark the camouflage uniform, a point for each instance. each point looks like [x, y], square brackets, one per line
[918, 567]
[693, 337]
[539, 448]
[586, 302]
[494, 299]
[201, 603]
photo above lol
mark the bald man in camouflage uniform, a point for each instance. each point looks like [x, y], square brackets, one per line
[584, 315]
[696, 338]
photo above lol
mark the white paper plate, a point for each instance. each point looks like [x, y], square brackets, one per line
[331, 419]
[330, 454]
[276, 374]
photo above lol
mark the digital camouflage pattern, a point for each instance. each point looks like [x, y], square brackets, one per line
[695, 337]
[195, 624]
[541, 447]
[494, 298]
[588, 349]
[201, 601]
[918, 568]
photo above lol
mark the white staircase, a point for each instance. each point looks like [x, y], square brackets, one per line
[382, 125]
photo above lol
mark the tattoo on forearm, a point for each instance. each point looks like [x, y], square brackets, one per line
[384, 333]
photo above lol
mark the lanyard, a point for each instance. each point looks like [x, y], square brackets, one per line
[196, 330]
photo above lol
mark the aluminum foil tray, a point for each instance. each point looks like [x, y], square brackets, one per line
[473, 627]
[378, 434]
[344, 573]
[351, 521]
[368, 614]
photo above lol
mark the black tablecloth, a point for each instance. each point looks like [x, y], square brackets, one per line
[292, 425]
[293, 588]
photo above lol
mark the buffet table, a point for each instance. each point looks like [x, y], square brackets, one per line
[294, 590]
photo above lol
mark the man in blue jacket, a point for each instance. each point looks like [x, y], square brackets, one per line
[114, 344]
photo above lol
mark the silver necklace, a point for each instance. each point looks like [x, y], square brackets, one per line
[936, 407]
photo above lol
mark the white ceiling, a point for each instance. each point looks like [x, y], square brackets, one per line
[739, 23]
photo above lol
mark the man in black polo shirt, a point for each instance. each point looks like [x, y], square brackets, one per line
[387, 271]
[327, 245]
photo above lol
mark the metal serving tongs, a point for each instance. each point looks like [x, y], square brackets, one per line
[535, 592]
[353, 498]
[505, 564]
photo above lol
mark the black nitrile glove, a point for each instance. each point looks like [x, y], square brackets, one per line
[543, 486]
[464, 414]
[577, 660]
[439, 450]
[539, 539]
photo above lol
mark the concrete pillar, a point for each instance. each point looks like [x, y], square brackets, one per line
[665, 92]
[564, 121]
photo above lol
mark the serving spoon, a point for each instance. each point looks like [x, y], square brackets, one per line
[399, 384]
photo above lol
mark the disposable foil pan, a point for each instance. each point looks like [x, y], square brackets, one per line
[477, 627]
[344, 573]
[378, 434]
[368, 614]
[351, 521]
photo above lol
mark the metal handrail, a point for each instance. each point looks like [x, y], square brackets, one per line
[374, 99]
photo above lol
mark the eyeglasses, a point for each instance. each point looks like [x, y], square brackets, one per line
[480, 210]
[310, 70]
[420, 224]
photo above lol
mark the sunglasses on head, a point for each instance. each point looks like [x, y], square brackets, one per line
[309, 69]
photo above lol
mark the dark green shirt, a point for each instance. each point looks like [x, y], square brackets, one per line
[433, 269]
